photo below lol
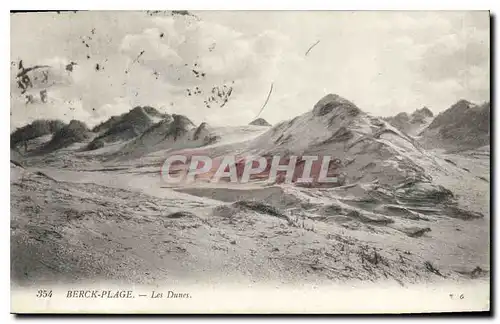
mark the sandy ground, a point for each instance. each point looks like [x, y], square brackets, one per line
[405, 215]
[124, 225]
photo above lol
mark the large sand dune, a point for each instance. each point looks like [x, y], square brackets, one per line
[404, 214]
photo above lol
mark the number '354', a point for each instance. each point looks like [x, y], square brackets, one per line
[43, 293]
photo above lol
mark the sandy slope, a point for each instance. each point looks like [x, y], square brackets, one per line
[118, 226]
[82, 231]
[406, 215]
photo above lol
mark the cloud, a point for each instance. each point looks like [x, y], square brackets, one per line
[185, 54]
[155, 52]
[456, 65]
[385, 62]
[219, 51]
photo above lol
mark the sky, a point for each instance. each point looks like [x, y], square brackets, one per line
[385, 62]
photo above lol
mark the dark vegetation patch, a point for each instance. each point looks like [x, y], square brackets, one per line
[95, 144]
[75, 132]
[181, 214]
[37, 128]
